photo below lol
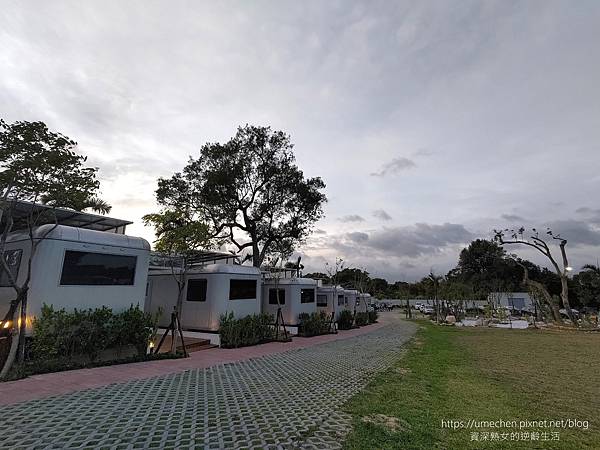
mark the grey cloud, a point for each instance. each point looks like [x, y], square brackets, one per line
[422, 152]
[381, 214]
[352, 218]
[358, 237]
[420, 239]
[395, 166]
[576, 232]
[512, 218]
[410, 241]
[319, 231]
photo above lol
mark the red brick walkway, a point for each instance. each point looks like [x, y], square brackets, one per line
[45, 385]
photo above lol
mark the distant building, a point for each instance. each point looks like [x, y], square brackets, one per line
[515, 300]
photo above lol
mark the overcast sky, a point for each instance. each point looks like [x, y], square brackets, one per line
[431, 122]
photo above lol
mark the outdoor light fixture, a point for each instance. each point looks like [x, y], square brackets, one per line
[6, 324]
[568, 268]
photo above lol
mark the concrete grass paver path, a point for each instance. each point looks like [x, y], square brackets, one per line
[45, 385]
[281, 400]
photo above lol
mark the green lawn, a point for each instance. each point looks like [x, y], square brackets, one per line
[481, 374]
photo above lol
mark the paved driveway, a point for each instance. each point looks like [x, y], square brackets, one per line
[285, 400]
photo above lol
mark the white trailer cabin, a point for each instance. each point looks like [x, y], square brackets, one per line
[351, 296]
[363, 301]
[209, 292]
[76, 268]
[296, 296]
[330, 299]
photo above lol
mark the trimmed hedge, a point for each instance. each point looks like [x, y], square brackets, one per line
[62, 335]
[250, 330]
[345, 320]
[361, 319]
[313, 324]
[373, 316]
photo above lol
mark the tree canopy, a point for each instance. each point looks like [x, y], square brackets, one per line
[39, 165]
[249, 191]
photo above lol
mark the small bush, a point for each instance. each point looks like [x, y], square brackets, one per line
[373, 316]
[64, 336]
[249, 330]
[361, 319]
[313, 324]
[345, 320]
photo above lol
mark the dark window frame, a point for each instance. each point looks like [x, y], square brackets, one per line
[322, 303]
[239, 296]
[340, 300]
[204, 287]
[302, 296]
[273, 298]
[71, 275]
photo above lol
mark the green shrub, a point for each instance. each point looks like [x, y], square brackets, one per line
[361, 319]
[345, 320]
[313, 324]
[373, 316]
[249, 330]
[62, 335]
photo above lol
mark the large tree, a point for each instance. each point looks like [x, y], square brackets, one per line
[587, 285]
[535, 240]
[482, 264]
[249, 190]
[36, 166]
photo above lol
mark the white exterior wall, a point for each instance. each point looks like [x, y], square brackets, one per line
[332, 300]
[518, 300]
[363, 301]
[292, 307]
[351, 297]
[163, 290]
[47, 265]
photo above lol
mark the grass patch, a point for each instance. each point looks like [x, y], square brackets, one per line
[482, 374]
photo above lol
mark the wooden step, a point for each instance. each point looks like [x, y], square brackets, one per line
[191, 344]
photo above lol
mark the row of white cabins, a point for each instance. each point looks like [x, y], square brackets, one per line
[87, 261]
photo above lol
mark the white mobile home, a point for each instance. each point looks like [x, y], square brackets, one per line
[330, 299]
[296, 296]
[77, 268]
[351, 299]
[209, 291]
[363, 301]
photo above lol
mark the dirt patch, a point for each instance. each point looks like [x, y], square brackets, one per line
[402, 370]
[392, 424]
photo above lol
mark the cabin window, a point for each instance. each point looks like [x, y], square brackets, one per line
[242, 289]
[273, 296]
[340, 300]
[87, 268]
[321, 300]
[196, 290]
[307, 295]
[13, 260]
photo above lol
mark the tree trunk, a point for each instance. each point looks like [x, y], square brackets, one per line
[564, 294]
[256, 260]
[539, 287]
